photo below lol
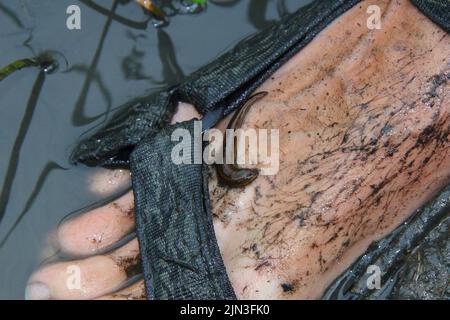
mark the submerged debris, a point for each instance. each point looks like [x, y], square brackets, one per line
[152, 8]
[161, 11]
[46, 62]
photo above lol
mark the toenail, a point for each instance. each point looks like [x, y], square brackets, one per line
[37, 291]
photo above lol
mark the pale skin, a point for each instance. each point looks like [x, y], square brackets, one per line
[364, 120]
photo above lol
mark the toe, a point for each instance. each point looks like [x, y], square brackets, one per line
[94, 231]
[106, 182]
[85, 278]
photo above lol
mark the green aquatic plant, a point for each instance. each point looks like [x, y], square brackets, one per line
[44, 61]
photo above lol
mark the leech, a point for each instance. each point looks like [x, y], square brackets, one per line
[231, 174]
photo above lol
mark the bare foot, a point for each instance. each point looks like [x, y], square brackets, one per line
[364, 119]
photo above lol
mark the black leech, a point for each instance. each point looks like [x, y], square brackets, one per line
[231, 174]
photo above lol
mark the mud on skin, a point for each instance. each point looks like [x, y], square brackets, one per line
[364, 121]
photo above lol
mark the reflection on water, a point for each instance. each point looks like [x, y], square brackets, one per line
[79, 118]
[120, 19]
[15, 153]
[117, 55]
[172, 72]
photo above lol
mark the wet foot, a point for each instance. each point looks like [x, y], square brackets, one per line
[364, 120]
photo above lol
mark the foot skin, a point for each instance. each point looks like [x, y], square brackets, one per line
[364, 120]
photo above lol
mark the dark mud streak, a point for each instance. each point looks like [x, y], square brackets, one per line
[287, 287]
[432, 138]
[140, 295]
[131, 265]
[128, 212]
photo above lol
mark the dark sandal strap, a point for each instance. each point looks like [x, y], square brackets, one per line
[180, 255]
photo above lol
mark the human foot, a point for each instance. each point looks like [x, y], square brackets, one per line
[99, 245]
[364, 123]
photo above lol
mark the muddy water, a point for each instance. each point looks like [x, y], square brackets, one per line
[112, 59]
